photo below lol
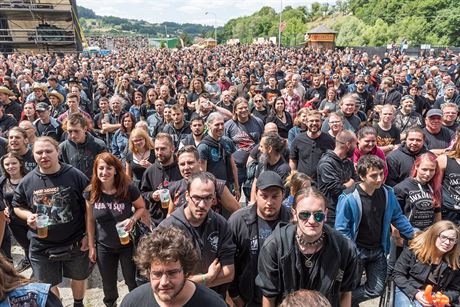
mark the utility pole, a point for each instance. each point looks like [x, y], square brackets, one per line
[215, 26]
[279, 25]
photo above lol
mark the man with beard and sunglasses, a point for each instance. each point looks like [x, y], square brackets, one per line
[307, 254]
[336, 171]
[364, 215]
[167, 258]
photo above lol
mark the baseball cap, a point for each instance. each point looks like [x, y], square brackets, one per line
[434, 112]
[269, 179]
[42, 106]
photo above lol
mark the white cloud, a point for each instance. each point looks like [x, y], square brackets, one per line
[183, 11]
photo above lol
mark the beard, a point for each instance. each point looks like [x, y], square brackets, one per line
[350, 152]
[263, 159]
[171, 296]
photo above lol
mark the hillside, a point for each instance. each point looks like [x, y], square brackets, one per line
[358, 22]
[93, 24]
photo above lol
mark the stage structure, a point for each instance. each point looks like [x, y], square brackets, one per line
[40, 25]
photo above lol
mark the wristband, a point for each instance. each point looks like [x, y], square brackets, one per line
[203, 279]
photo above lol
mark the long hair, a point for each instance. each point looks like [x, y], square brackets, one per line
[11, 154]
[454, 153]
[297, 120]
[435, 182]
[10, 279]
[140, 132]
[121, 180]
[424, 246]
[23, 115]
[133, 119]
[147, 101]
[297, 181]
[238, 101]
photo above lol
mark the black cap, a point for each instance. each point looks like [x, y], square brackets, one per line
[42, 106]
[269, 179]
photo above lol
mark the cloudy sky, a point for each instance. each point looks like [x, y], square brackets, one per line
[183, 11]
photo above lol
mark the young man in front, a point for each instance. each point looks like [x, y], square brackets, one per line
[364, 215]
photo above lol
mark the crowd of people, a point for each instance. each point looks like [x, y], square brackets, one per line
[240, 175]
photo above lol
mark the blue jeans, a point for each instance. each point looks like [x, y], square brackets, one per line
[374, 263]
[401, 300]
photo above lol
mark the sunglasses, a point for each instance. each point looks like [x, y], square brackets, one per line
[318, 216]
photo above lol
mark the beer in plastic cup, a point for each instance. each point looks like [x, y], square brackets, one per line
[122, 233]
[164, 198]
[42, 225]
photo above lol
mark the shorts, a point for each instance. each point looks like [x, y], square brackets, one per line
[51, 272]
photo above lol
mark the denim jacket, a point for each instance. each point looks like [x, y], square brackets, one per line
[35, 294]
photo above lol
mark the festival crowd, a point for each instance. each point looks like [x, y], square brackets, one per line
[238, 175]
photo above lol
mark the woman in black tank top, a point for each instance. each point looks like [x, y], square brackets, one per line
[450, 167]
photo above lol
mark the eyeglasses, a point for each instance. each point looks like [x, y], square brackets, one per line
[318, 216]
[258, 100]
[444, 238]
[198, 199]
[157, 275]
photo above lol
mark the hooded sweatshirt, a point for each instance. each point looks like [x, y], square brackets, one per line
[400, 163]
[82, 155]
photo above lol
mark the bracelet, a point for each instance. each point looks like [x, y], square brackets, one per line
[203, 279]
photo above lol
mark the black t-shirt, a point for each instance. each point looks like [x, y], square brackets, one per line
[265, 229]
[137, 169]
[319, 93]
[216, 157]
[58, 195]
[29, 161]
[108, 211]
[270, 93]
[143, 296]
[281, 167]
[7, 190]
[373, 210]
[438, 141]
[416, 200]
[387, 137]
[262, 115]
[307, 151]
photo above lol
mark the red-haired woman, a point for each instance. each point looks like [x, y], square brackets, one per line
[111, 199]
[29, 112]
[420, 194]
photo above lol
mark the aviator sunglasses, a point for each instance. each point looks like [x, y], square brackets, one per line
[318, 216]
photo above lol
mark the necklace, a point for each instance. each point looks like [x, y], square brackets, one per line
[142, 156]
[303, 242]
[309, 262]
